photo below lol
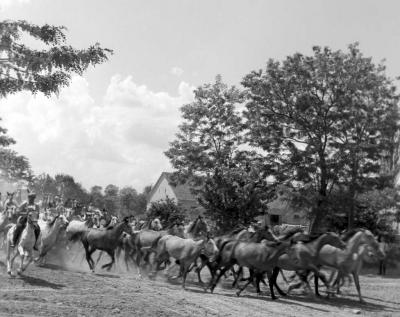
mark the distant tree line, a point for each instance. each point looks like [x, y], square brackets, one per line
[121, 202]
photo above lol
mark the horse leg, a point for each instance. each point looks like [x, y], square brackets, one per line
[184, 270]
[10, 259]
[20, 270]
[109, 265]
[274, 277]
[222, 272]
[88, 254]
[30, 259]
[99, 257]
[271, 285]
[241, 289]
[357, 282]
[238, 274]
[323, 279]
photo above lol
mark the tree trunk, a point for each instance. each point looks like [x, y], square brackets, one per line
[316, 226]
[353, 184]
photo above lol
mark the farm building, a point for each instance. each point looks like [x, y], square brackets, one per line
[279, 210]
[180, 194]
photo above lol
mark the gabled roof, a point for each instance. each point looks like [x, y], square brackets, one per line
[181, 191]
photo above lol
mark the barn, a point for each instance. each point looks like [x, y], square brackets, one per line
[181, 194]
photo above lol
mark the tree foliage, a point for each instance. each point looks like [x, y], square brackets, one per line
[324, 121]
[167, 211]
[207, 152]
[45, 70]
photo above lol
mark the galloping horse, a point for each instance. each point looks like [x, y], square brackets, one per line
[343, 260]
[49, 234]
[144, 239]
[24, 246]
[8, 214]
[197, 228]
[260, 257]
[185, 251]
[105, 240]
[304, 256]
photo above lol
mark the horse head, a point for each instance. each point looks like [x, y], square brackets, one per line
[265, 233]
[126, 226]
[369, 239]
[11, 212]
[156, 225]
[198, 227]
[10, 196]
[210, 248]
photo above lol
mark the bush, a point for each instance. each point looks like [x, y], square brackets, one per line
[167, 211]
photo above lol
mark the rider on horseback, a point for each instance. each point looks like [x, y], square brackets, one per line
[26, 207]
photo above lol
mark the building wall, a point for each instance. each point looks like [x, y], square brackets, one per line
[163, 191]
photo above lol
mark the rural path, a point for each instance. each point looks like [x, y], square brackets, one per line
[55, 291]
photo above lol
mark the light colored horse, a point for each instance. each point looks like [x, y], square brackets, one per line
[345, 260]
[185, 251]
[23, 248]
[49, 234]
[304, 256]
[364, 254]
[143, 240]
[6, 219]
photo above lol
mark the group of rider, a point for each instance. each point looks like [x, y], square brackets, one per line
[30, 207]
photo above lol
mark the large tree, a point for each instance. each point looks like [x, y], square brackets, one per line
[41, 70]
[325, 121]
[207, 151]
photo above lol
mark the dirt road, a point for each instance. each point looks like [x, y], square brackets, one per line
[56, 291]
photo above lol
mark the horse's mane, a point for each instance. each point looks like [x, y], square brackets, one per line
[51, 223]
[290, 233]
[349, 234]
[236, 230]
[191, 226]
[89, 221]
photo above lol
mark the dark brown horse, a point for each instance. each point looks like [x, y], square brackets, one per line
[105, 240]
[260, 257]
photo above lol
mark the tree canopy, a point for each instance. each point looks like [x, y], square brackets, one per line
[324, 120]
[45, 70]
[207, 151]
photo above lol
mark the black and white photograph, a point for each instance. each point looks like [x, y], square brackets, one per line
[200, 158]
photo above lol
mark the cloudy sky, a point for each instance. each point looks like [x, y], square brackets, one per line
[113, 124]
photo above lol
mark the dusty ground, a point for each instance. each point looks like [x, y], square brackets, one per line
[72, 291]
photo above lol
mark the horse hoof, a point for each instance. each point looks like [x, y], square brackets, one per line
[237, 294]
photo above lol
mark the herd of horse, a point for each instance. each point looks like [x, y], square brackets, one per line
[151, 248]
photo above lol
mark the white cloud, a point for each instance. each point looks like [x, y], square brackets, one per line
[120, 141]
[177, 71]
[4, 4]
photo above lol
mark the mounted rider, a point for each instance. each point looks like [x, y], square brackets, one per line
[24, 209]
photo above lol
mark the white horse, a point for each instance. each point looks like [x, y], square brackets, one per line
[23, 247]
[49, 234]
